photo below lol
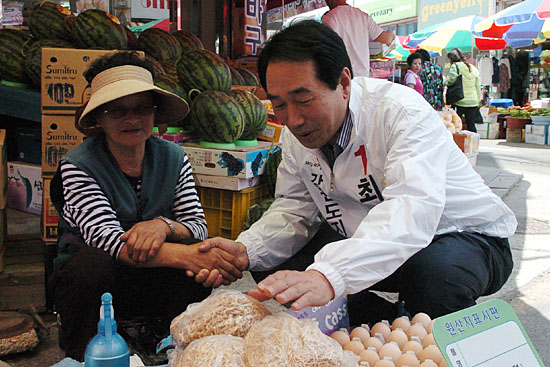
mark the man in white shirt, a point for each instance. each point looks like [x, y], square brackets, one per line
[357, 29]
[407, 212]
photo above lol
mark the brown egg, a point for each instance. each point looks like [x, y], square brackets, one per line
[370, 356]
[360, 333]
[384, 363]
[341, 337]
[407, 359]
[418, 330]
[355, 346]
[399, 337]
[381, 328]
[402, 323]
[373, 342]
[430, 326]
[429, 340]
[421, 317]
[390, 350]
[413, 346]
[417, 339]
[428, 363]
[431, 352]
[443, 363]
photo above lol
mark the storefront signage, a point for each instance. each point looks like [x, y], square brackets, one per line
[150, 9]
[294, 8]
[436, 11]
[382, 11]
[253, 10]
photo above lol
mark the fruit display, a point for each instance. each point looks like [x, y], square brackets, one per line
[160, 44]
[188, 41]
[33, 56]
[48, 20]
[203, 70]
[403, 343]
[255, 114]
[12, 60]
[97, 29]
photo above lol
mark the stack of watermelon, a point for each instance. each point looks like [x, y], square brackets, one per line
[52, 25]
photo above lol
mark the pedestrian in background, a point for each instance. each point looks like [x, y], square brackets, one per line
[468, 106]
[431, 76]
[412, 79]
[357, 29]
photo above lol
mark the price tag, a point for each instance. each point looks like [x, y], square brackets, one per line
[486, 335]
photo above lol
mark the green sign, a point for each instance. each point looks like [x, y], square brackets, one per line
[383, 11]
[437, 11]
[485, 335]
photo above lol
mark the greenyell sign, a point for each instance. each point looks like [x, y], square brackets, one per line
[437, 11]
[485, 335]
[383, 11]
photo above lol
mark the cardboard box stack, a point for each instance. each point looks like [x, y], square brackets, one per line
[489, 128]
[536, 134]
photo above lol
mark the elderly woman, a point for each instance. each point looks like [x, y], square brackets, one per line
[412, 79]
[127, 202]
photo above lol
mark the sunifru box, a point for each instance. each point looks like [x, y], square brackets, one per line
[59, 135]
[243, 162]
[64, 87]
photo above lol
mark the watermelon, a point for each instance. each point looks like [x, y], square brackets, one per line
[249, 77]
[188, 41]
[255, 114]
[160, 44]
[97, 29]
[216, 117]
[51, 21]
[33, 56]
[132, 39]
[269, 178]
[157, 67]
[12, 60]
[256, 211]
[236, 78]
[203, 70]
[170, 83]
[169, 68]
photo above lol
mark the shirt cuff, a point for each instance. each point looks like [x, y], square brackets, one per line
[332, 276]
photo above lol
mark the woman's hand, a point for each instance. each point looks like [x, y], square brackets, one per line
[144, 240]
[218, 266]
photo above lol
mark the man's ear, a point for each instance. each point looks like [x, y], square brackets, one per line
[345, 82]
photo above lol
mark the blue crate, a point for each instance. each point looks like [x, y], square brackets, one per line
[501, 102]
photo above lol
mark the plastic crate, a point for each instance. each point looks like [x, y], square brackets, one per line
[225, 210]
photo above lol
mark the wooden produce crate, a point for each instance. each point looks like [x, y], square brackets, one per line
[225, 210]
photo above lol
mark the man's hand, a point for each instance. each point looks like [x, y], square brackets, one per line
[237, 249]
[308, 288]
[144, 240]
[211, 265]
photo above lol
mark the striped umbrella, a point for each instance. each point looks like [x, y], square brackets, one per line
[455, 33]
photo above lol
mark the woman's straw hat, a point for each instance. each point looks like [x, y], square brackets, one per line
[122, 81]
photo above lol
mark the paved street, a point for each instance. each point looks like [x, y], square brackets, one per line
[527, 290]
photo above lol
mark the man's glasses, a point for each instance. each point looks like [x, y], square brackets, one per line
[117, 113]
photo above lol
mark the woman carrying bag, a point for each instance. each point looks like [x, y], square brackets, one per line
[468, 75]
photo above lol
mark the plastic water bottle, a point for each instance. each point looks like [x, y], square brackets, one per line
[107, 348]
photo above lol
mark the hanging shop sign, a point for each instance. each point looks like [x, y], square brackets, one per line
[382, 11]
[436, 11]
[252, 32]
[150, 9]
[293, 8]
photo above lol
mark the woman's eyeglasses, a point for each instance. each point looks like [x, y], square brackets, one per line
[117, 113]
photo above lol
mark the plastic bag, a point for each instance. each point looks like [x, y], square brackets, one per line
[211, 351]
[282, 340]
[224, 312]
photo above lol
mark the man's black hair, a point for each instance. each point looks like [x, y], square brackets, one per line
[117, 59]
[304, 41]
[424, 54]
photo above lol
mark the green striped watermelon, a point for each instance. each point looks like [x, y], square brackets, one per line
[255, 114]
[50, 20]
[216, 117]
[169, 68]
[157, 67]
[203, 70]
[97, 29]
[236, 78]
[33, 56]
[132, 39]
[249, 77]
[12, 60]
[269, 178]
[160, 44]
[188, 40]
[170, 83]
[256, 211]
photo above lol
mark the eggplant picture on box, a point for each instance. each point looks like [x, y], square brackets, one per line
[24, 187]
